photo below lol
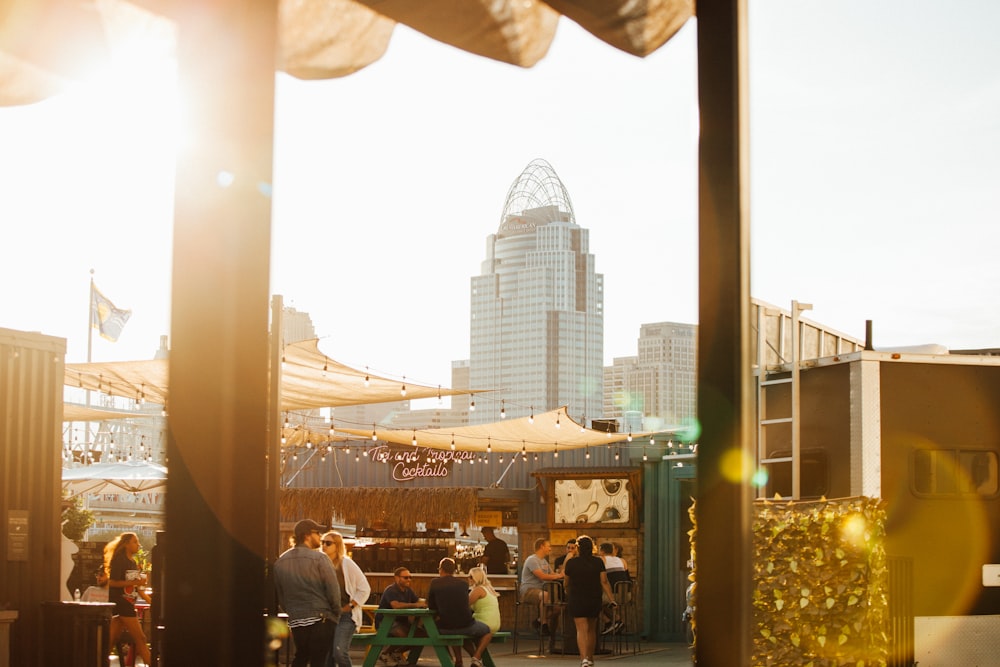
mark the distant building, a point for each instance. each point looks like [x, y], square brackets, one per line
[660, 382]
[537, 307]
[297, 326]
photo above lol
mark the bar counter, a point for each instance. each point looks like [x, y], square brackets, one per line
[505, 585]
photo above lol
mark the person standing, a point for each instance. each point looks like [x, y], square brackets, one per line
[534, 574]
[308, 591]
[484, 599]
[449, 597]
[399, 595]
[496, 555]
[585, 581]
[354, 592]
[124, 578]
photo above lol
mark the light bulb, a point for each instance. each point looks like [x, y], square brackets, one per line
[402, 390]
[503, 411]
[367, 380]
[374, 435]
[557, 422]
[414, 442]
[644, 457]
[472, 405]
[587, 455]
[617, 455]
[531, 416]
[651, 441]
[670, 444]
[630, 436]
[452, 442]
[489, 445]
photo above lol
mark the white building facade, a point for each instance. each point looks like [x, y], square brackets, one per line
[537, 308]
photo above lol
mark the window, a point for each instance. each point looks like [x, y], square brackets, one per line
[954, 472]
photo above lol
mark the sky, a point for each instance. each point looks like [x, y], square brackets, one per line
[875, 184]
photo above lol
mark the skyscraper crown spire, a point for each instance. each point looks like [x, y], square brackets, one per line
[539, 192]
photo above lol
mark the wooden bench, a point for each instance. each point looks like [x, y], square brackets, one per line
[368, 638]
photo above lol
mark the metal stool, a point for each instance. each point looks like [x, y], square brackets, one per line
[628, 635]
[556, 595]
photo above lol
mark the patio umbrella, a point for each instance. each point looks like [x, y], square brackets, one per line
[114, 477]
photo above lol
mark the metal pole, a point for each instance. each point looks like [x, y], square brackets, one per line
[796, 415]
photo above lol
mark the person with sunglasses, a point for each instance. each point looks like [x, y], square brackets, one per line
[354, 592]
[308, 591]
[399, 595]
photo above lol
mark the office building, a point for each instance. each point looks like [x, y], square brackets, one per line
[537, 319]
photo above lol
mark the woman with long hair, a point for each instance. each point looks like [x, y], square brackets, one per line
[124, 580]
[585, 580]
[484, 599]
[354, 592]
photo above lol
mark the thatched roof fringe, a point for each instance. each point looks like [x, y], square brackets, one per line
[400, 509]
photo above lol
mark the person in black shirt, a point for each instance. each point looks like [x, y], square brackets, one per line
[449, 597]
[496, 556]
[585, 580]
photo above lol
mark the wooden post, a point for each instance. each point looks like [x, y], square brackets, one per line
[725, 397]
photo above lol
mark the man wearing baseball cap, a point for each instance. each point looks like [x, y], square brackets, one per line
[309, 593]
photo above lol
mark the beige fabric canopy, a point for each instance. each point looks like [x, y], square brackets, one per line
[309, 379]
[45, 43]
[544, 432]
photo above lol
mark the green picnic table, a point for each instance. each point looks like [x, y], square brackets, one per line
[381, 638]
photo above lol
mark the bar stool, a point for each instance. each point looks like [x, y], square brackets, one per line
[556, 594]
[628, 634]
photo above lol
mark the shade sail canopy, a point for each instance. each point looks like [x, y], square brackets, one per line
[544, 432]
[74, 412]
[309, 379]
[46, 43]
[114, 477]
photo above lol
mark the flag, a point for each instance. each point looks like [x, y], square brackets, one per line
[108, 319]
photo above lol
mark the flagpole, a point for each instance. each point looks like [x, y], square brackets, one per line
[90, 344]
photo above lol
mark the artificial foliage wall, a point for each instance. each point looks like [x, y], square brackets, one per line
[820, 583]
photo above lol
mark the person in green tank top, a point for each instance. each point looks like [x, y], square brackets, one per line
[484, 599]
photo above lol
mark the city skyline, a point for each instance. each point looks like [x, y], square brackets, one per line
[872, 185]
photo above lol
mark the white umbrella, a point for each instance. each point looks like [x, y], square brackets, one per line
[130, 477]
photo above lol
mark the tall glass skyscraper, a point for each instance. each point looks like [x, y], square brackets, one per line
[537, 329]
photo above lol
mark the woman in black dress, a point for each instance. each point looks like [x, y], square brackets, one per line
[585, 582]
[124, 582]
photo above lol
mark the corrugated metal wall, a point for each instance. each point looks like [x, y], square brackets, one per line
[31, 378]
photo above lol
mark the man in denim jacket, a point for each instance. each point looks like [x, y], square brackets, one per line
[309, 593]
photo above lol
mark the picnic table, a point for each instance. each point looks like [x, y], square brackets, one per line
[381, 638]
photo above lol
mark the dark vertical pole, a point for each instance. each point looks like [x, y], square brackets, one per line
[273, 534]
[218, 407]
[725, 454]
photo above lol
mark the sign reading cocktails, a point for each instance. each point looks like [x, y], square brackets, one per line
[409, 463]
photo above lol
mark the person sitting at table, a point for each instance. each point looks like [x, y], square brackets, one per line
[614, 567]
[534, 574]
[449, 597]
[484, 599]
[570, 548]
[99, 591]
[399, 595]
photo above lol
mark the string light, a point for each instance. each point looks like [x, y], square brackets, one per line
[452, 442]
[503, 410]
[414, 442]
[555, 451]
[587, 455]
[367, 379]
[402, 390]
[489, 445]
[629, 436]
[439, 394]
[651, 441]
[557, 421]
[286, 420]
[536, 457]
[531, 415]
[472, 405]
[331, 428]
[374, 435]
[644, 457]
[524, 451]
[670, 444]
[357, 458]
[617, 453]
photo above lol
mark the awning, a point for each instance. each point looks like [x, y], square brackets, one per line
[544, 432]
[46, 43]
[309, 379]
